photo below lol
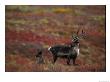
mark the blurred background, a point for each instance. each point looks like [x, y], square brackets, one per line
[29, 28]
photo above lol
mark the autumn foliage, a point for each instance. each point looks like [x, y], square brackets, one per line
[30, 28]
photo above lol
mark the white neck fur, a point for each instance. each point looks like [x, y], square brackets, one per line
[77, 50]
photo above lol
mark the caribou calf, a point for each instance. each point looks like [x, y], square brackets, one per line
[39, 57]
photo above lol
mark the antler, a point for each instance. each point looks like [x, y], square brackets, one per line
[78, 31]
[77, 35]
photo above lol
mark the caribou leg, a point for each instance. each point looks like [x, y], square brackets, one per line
[68, 60]
[54, 59]
[74, 59]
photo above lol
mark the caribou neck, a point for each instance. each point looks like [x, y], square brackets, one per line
[76, 48]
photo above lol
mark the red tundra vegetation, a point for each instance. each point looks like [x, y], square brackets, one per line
[30, 28]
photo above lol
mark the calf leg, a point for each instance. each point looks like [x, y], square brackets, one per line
[40, 60]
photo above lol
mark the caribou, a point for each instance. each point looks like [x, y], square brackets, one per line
[66, 51]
